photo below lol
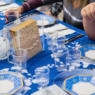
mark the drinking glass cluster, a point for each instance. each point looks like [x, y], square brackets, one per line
[65, 57]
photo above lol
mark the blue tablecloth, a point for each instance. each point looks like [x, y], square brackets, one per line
[44, 58]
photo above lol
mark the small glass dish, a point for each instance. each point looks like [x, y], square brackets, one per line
[64, 76]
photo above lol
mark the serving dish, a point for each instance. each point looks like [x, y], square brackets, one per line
[10, 83]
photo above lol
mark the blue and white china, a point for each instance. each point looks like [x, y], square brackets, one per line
[80, 85]
[60, 78]
[10, 83]
[87, 51]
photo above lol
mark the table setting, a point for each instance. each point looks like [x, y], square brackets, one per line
[85, 76]
[63, 64]
[75, 69]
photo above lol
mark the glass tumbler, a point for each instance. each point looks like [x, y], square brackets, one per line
[19, 58]
[41, 76]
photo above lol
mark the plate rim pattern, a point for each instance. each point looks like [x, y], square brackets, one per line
[15, 75]
[71, 77]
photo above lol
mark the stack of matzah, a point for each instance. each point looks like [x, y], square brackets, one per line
[29, 37]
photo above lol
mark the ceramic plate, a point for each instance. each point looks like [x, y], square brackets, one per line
[5, 2]
[47, 20]
[80, 85]
[88, 51]
[60, 78]
[10, 83]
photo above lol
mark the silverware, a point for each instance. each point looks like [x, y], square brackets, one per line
[58, 30]
[73, 38]
[62, 29]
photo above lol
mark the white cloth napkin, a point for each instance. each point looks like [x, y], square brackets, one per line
[51, 90]
[57, 28]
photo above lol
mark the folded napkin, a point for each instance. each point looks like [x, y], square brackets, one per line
[51, 28]
[51, 90]
[60, 28]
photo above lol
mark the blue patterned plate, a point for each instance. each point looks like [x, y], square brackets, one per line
[88, 51]
[62, 78]
[47, 20]
[80, 85]
[9, 83]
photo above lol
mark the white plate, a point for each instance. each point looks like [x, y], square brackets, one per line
[80, 85]
[9, 83]
[88, 51]
[5, 2]
[43, 20]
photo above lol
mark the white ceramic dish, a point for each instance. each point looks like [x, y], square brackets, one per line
[5, 2]
[43, 20]
[10, 83]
